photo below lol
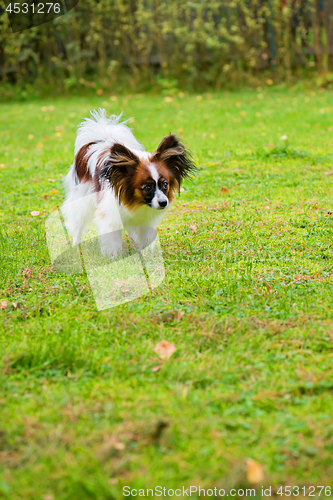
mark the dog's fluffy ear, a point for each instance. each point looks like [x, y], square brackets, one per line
[176, 157]
[119, 168]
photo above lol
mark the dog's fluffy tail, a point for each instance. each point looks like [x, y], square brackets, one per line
[101, 128]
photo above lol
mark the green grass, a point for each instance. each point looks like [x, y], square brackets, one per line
[82, 409]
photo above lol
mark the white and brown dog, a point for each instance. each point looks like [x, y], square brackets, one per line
[115, 182]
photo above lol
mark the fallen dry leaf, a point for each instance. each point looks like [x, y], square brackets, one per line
[15, 305]
[26, 272]
[53, 191]
[193, 228]
[156, 368]
[35, 213]
[99, 92]
[268, 288]
[3, 304]
[330, 172]
[224, 189]
[45, 196]
[254, 471]
[168, 99]
[164, 349]
[179, 315]
[270, 144]
[119, 446]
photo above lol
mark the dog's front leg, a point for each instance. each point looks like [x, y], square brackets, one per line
[109, 225]
[141, 236]
[111, 243]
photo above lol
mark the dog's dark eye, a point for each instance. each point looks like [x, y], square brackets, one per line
[165, 185]
[147, 188]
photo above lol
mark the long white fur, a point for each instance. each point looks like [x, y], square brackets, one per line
[82, 205]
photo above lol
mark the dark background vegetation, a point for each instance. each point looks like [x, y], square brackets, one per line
[169, 45]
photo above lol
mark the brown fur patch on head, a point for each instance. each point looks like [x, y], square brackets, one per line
[81, 163]
[119, 169]
[137, 196]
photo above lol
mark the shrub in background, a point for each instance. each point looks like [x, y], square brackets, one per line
[170, 43]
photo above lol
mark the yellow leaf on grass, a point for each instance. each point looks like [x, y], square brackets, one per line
[39, 144]
[2, 166]
[164, 349]
[58, 134]
[168, 99]
[53, 191]
[254, 471]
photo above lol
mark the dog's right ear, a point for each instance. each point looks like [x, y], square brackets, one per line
[119, 168]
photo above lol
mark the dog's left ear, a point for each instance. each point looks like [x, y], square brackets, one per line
[176, 157]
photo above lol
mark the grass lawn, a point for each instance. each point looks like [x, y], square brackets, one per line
[247, 301]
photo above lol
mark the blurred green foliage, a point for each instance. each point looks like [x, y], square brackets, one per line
[169, 44]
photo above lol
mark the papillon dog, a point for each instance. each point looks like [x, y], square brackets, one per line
[116, 183]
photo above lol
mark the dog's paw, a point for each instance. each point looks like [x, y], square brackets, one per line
[110, 251]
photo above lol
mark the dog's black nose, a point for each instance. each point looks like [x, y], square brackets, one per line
[163, 203]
